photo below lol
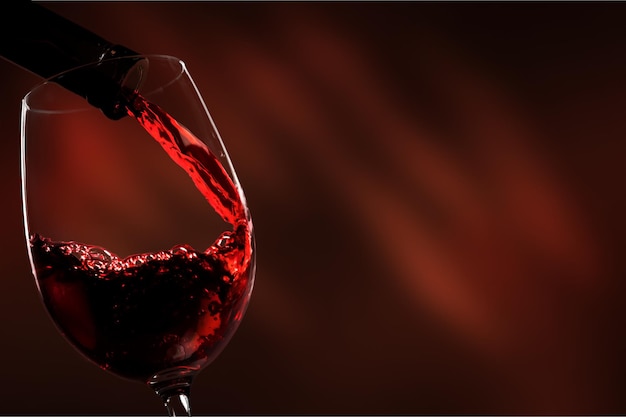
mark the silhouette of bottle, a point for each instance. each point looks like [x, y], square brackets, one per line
[46, 44]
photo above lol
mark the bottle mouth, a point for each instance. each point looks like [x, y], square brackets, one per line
[127, 70]
[107, 84]
[135, 76]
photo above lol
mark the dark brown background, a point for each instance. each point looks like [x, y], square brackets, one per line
[438, 193]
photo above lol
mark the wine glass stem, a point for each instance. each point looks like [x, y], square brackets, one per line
[177, 404]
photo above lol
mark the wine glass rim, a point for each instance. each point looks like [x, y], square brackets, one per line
[27, 99]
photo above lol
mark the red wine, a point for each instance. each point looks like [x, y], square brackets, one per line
[151, 312]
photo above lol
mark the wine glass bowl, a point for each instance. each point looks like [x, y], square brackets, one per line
[138, 231]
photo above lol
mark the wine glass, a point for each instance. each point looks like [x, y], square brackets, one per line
[138, 232]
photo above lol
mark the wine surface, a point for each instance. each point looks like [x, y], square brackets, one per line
[147, 313]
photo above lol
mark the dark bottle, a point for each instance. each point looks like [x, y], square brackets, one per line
[46, 44]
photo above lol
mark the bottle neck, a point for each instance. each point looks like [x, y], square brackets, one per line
[46, 44]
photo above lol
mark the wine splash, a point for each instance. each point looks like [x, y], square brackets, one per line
[151, 312]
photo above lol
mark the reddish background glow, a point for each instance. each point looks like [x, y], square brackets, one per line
[438, 193]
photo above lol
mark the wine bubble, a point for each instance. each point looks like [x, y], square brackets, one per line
[98, 259]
